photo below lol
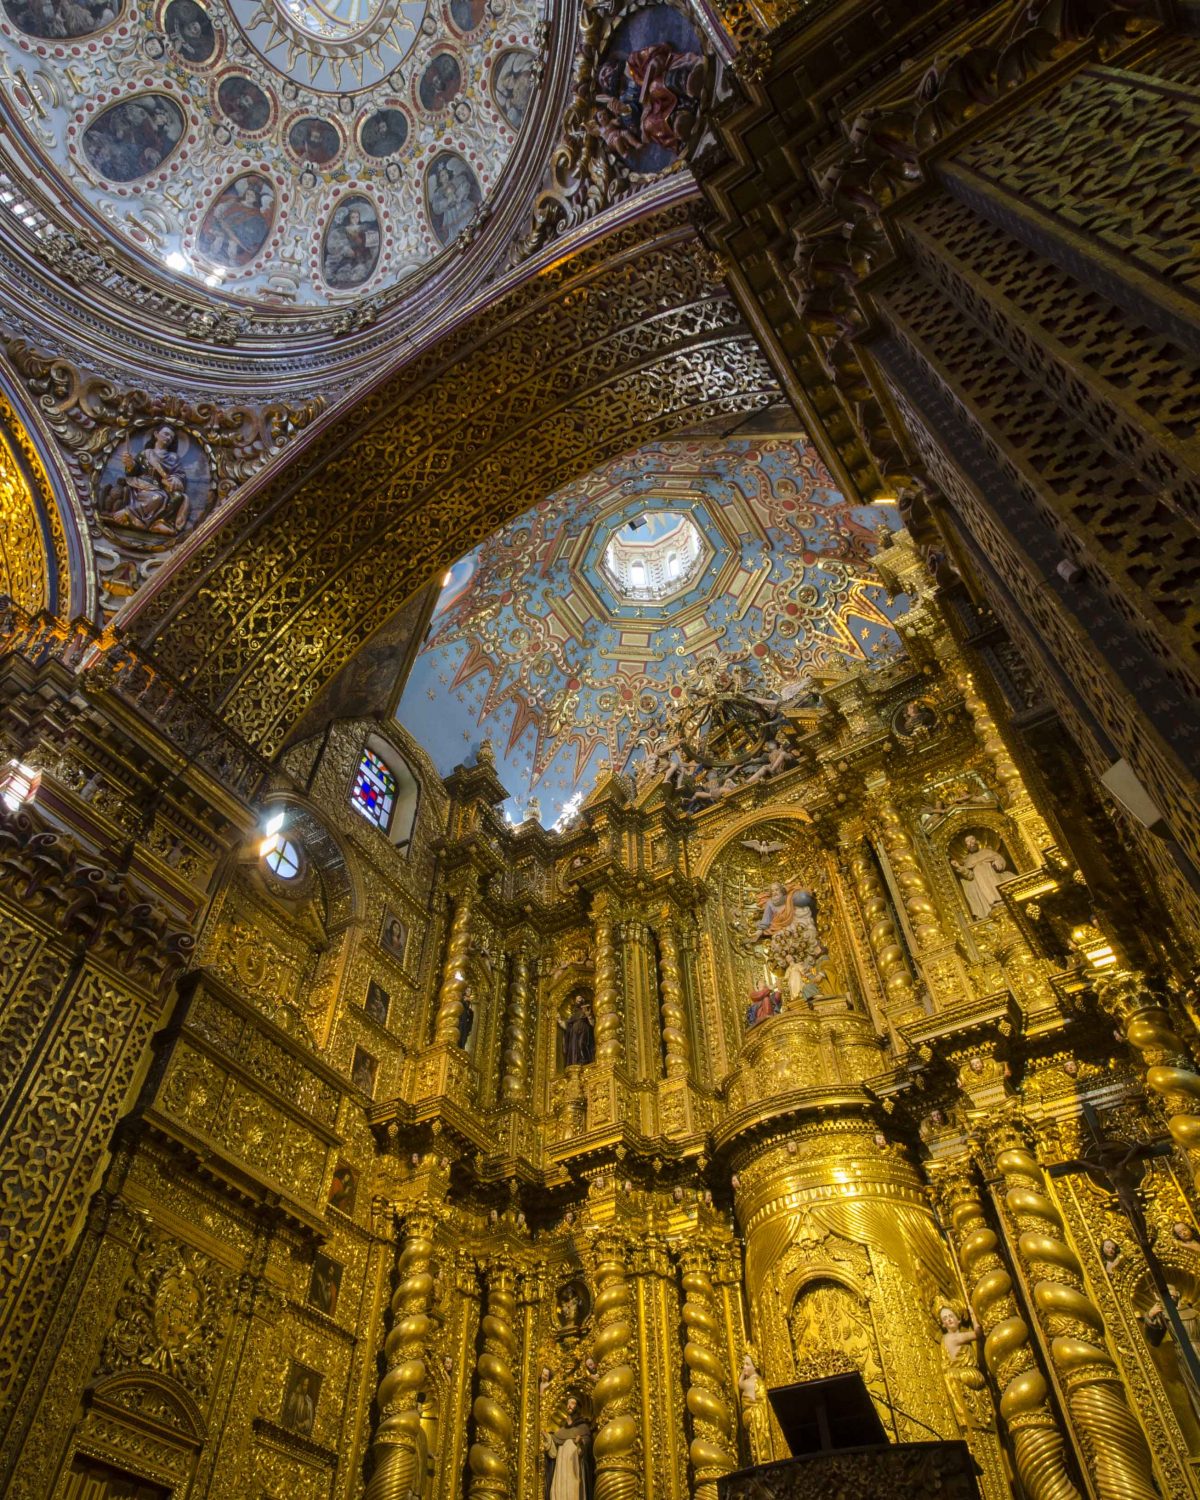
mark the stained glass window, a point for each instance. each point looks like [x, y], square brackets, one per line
[374, 793]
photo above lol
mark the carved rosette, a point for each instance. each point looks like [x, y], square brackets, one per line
[674, 1018]
[516, 1036]
[1170, 1072]
[1037, 1442]
[609, 1046]
[898, 992]
[1111, 1439]
[454, 967]
[922, 913]
[399, 1450]
[618, 1460]
[495, 1406]
[713, 1448]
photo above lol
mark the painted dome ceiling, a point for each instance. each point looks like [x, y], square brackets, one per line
[291, 152]
[566, 633]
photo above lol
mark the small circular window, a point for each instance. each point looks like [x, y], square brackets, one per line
[282, 857]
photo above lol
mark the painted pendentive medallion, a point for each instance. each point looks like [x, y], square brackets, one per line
[384, 132]
[313, 140]
[189, 31]
[62, 19]
[243, 103]
[440, 82]
[133, 138]
[239, 221]
[353, 238]
[513, 79]
[649, 86]
[453, 194]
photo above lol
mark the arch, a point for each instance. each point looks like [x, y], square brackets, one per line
[402, 818]
[627, 341]
[747, 820]
[37, 541]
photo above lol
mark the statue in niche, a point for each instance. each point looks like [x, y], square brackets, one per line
[466, 1017]
[572, 1306]
[579, 1033]
[960, 1362]
[756, 1419]
[980, 872]
[1159, 1333]
[568, 1450]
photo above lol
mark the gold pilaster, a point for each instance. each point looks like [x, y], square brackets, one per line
[495, 1405]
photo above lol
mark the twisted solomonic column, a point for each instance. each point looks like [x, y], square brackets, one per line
[676, 1048]
[515, 1060]
[1170, 1072]
[918, 903]
[495, 1407]
[899, 994]
[713, 1449]
[454, 966]
[618, 1460]
[990, 737]
[1111, 1441]
[610, 1048]
[399, 1449]
[1038, 1447]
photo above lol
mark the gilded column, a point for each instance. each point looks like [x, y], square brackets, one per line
[1038, 1445]
[454, 965]
[898, 992]
[1012, 788]
[516, 1035]
[609, 1043]
[676, 1048]
[918, 903]
[713, 1448]
[1110, 1439]
[399, 1449]
[618, 1459]
[1169, 1069]
[495, 1406]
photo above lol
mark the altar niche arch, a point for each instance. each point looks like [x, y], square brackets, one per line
[42, 554]
[628, 341]
[944, 844]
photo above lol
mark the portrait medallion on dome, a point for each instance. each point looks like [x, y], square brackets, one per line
[154, 486]
[467, 15]
[452, 193]
[62, 19]
[313, 140]
[440, 82]
[243, 103]
[189, 31]
[651, 82]
[383, 133]
[238, 222]
[353, 240]
[133, 138]
[514, 75]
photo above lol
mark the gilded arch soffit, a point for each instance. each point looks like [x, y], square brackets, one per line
[631, 340]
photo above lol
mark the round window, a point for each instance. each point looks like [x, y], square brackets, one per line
[282, 857]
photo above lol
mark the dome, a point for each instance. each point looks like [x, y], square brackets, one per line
[291, 153]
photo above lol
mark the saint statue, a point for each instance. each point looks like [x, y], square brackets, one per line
[980, 872]
[568, 1450]
[960, 1364]
[466, 1019]
[755, 1417]
[579, 1034]
[151, 495]
[764, 1003]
